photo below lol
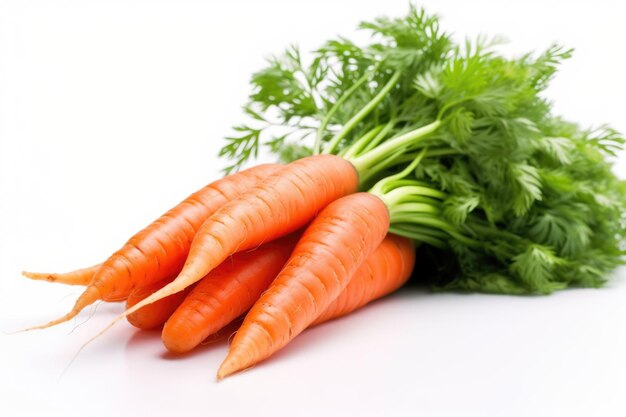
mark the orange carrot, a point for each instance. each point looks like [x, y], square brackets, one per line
[154, 315]
[159, 251]
[332, 248]
[284, 202]
[383, 272]
[224, 294]
[78, 277]
[233, 287]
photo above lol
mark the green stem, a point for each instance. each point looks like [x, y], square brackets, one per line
[389, 181]
[452, 104]
[417, 236]
[362, 113]
[356, 147]
[442, 152]
[381, 135]
[391, 160]
[346, 95]
[421, 199]
[435, 222]
[439, 234]
[403, 182]
[367, 160]
[402, 194]
[432, 152]
[408, 208]
[421, 219]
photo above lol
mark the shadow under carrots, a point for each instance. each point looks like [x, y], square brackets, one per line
[309, 339]
[141, 338]
[338, 327]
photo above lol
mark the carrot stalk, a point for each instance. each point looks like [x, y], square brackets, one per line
[78, 277]
[159, 251]
[332, 248]
[224, 294]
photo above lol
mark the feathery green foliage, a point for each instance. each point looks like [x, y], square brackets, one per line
[524, 201]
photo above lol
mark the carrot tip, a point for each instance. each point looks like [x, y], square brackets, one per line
[78, 277]
[89, 296]
[224, 371]
[60, 320]
[15, 331]
[230, 366]
[40, 276]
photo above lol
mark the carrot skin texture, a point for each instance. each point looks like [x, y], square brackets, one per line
[162, 250]
[282, 203]
[159, 251]
[233, 287]
[331, 250]
[224, 294]
[153, 315]
[383, 272]
[79, 277]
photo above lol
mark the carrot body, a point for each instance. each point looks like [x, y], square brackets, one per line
[154, 315]
[281, 204]
[332, 248]
[232, 288]
[78, 277]
[383, 272]
[159, 251]
[224, 294]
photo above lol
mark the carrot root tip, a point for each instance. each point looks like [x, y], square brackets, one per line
[39, 276]
[230, 366]
[88, 297]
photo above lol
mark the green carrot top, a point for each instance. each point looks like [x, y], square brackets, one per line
[460, 142]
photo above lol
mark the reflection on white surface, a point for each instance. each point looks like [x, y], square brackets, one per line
[436, 353]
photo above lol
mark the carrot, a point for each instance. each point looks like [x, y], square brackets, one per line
[224, 294]
[383, 272]
[332, 248]
[78, 277]
[159, 251]
[154, 315]
[284, 202]
[232, 288]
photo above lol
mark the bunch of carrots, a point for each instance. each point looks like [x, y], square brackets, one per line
[258, 242]
[409, 143]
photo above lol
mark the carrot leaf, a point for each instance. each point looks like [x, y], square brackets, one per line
[521, 200]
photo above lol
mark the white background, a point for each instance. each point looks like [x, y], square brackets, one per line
[112, 112]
